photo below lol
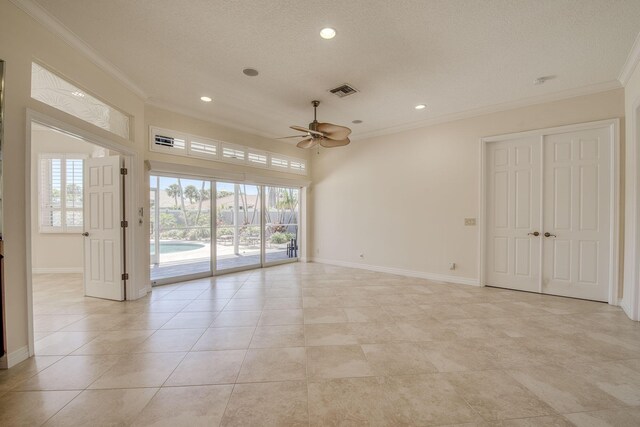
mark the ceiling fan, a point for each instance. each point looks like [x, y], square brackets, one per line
[326, 134]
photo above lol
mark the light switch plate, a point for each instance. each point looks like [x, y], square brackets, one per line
[469, 221]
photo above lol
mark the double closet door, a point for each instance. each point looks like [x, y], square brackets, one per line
[549, 213]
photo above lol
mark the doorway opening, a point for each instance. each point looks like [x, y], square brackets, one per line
[79, 200]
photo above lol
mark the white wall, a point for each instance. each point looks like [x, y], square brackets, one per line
[54, 252]
[631, 299]
[401, 199]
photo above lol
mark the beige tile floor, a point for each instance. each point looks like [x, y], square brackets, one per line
[310, 344]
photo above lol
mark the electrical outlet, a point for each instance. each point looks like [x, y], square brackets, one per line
[452, 266]
[469, 221]
[361, 255]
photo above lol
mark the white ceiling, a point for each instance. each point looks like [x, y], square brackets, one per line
[453, 55]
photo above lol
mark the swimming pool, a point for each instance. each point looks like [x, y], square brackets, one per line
[174, 247]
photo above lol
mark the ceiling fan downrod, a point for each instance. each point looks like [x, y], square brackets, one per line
[313, 125]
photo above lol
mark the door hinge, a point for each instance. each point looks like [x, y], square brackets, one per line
[123, 171]
[125, 276]
[124, 224]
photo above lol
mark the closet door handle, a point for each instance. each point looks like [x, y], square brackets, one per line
[547, 234]
[535, 233]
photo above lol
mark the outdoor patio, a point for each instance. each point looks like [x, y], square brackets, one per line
[197, 261]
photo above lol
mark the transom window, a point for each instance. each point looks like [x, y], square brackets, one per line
[59, 93]
[182, 144]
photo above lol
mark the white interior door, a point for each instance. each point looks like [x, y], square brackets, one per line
[103, 235]
[513, 214]
[577, 219]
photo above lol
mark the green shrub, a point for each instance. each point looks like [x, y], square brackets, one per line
[226, 231]
[279, 238]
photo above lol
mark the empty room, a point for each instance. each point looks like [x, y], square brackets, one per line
[320, 213]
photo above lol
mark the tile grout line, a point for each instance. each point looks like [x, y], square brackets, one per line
[235, 382]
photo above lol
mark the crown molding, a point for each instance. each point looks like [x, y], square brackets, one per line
[496, 108]
[44, 18]
[40, 15]
[631, 63]
[200, 116]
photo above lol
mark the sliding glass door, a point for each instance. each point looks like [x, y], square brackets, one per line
[180, 227]
[199, 228]
[238, 216]
[282, 208]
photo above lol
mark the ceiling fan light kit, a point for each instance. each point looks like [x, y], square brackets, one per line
[325, 134]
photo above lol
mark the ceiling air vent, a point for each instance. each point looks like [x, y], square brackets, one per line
[344, 90]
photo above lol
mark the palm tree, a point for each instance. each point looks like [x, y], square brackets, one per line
[184, 211]
[191, 193]
[201, 196]
[174, 190]
[286, 200]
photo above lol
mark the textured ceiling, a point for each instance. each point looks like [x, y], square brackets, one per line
[453, 55]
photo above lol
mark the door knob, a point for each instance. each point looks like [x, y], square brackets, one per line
[547, 234]
[85, 234]
[535, 233]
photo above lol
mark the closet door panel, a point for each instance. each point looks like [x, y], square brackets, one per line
[576, 214]
[513, 212]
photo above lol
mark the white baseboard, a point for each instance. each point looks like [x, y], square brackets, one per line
[57, 270]
[143, 292]
[628, 310]
[472, 281]
[12, 359]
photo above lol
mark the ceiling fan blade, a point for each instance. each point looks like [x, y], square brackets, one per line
[328, 143]
[307, 143]
[332, 131]
[294, 136]
[301, 129]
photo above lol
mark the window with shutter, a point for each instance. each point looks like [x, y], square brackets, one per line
[234, 153]
[169, 143]
[298, 166]
[279, 162]
[205, 148]
[257, 158]
[61, 193]
[182, 144]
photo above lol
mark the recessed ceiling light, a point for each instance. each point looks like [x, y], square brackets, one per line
[356, 122]
[420, 107]
[205, 99]
[251, 72]
[327, 33]
[78, 94]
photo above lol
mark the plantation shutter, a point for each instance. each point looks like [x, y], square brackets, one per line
[60, 193]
